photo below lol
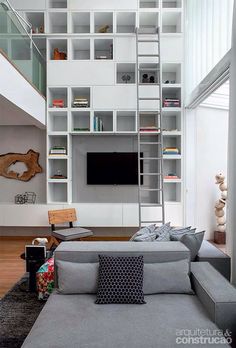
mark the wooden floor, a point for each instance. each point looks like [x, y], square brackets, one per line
[12, 267]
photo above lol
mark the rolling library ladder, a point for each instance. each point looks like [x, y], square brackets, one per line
[150, 138]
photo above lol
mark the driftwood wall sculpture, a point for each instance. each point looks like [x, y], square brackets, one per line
[30, 159]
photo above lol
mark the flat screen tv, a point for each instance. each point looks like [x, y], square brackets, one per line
[113, 168]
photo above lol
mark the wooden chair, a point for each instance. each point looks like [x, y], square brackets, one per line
[72, 233]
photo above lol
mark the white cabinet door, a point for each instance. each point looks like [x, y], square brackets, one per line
[172, 49]
[102, 4]
[116, 97]
[125, 49]
[84, 74]
[174, 214]
[28, 4]
[130, 215]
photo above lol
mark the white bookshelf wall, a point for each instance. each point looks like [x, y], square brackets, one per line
[101, 66]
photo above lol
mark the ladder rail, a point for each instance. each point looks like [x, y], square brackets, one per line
[160, 176]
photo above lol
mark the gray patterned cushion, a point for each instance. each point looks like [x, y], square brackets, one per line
[146, 234]
[193, 242]
[178, 234]
[163, 233]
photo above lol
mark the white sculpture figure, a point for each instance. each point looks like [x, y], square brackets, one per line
[220, 204]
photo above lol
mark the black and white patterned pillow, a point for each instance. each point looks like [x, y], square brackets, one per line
[120, 280]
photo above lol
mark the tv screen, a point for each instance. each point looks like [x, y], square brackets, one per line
[112, 168]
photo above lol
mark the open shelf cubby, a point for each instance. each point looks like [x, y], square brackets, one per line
[57, 22]
[80, 22]
[57, 141]
[41, 43]
[172, 192]
[103, 49]
[171, 73]
[57, 121]
[57, 93]
[3, 23]
[103, 121]
[126, 121]
[81, 95]
[148, 73]
[57, 192]
[57, 167]
[172, 141]
[171, 3]
[148, 20]
[171, 121]
[125, 73]
[148, 3]
[58, 45]
[171, 93]
[80, 121]
[172, 167]
[80, 49]
[171, 22]
[57, 3]
[149, 120]
[125, 22]
[103, 22]
[37, 21]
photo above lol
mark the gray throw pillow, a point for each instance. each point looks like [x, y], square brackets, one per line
[163, 233]
[177, 236]
[77, 278]
[146, 234]
[167, 278]
[193, 242]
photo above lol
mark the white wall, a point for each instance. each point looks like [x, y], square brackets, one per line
[206, 156]
[21, 139]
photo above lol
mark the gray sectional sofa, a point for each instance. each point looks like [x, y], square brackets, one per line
[75, 321]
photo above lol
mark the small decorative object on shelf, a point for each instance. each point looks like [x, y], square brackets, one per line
[30, 159]
[126, 78]
[58, 175]
[171, 102]
[57, 55]
[25, 198]
[85, 129]
[152, 79]
[80, 102]
[111, 51]
[168, 81]
[58, 103]
[171, 151]
[171, 176]
[145, 78]
[219, 234]
[38, 30]
[98, 124]
[104, 29]
[58, 150]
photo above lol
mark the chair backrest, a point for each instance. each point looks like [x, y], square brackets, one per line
[62, 216]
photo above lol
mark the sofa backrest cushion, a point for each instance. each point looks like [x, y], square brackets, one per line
[167, 278]
[88, 252]
[164, 277]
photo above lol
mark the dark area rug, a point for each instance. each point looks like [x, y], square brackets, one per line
[18, 312]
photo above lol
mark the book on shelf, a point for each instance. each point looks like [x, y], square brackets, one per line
[171, 151]
[58, 150]
[80, 102]
[149, 129]
[171, 176]
[98, 124]
[81, 129]
[171, 102]
[58, 103]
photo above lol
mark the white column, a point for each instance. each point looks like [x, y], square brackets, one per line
[231, 202]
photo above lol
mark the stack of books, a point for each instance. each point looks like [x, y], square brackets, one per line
[149, 129]
[58, 150]
[171, 102]
[81, 129]
[171, 151]
[98, 124]
[58, 103]
[171, 176]
[80, 102]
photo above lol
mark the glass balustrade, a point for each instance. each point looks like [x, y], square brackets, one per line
[18, 46]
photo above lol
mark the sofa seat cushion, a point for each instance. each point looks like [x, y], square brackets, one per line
[72, 233]
[75, 321]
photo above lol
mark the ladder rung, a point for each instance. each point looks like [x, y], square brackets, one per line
[149, 84]
[151, 205]
[150, 189]
[148, 40]
[150, 174]
[148, 69]
[149, 112]
[152, 221]
[150, 158]
[142, 98]
[150, 143]
[148, 55]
